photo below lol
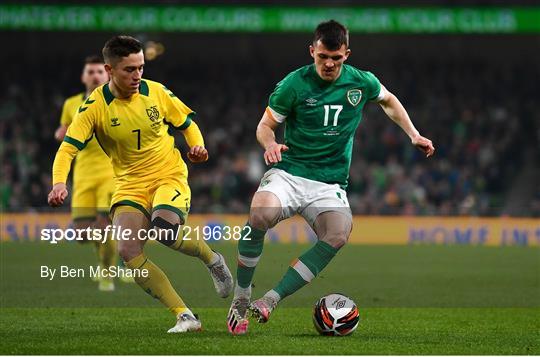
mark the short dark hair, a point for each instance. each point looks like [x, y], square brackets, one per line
[92, 59]
[332, 34]
[120, 46]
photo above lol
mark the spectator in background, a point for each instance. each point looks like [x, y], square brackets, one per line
[478, 133]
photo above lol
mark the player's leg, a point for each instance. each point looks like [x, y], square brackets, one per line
[105, 250]
[267, 209]
[85, 214]
[171, 205]
[81, 223]
[332, 229]
[265, 212]
[154, 282]
[330, 217]
[108, 249]
[167, 224]
[83, 206]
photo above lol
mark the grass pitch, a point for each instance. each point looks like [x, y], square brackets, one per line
[412, 300]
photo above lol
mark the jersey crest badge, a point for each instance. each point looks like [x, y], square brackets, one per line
[354, 96]
[153, 113]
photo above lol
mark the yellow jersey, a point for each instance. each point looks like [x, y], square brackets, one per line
[133, 132]
[92, 162]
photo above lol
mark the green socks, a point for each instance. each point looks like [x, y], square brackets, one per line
[249, 253]
[301, 271]
[305, 268]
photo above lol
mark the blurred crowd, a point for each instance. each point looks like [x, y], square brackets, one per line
[481, 118]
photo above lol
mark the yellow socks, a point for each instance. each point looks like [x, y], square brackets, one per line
[157, 284]
[196, 248]
[107, 253]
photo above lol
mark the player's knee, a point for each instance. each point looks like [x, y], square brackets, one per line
[336, 239]
[166, 232]
[129, 250]
[82, 223]
[263, 218]
[102, 221]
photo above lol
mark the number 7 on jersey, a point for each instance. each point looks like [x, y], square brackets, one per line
[138, 131]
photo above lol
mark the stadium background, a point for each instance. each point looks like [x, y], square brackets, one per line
[473, 91]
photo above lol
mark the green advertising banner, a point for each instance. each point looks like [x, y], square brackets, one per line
[268, 19]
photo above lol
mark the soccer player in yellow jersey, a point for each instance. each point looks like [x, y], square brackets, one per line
[130, 118]
[93, 176]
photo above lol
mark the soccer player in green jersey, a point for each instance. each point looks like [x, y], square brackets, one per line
[321, 105]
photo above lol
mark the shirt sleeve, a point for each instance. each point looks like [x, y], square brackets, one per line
[79, 133]
[67, 113]
[193, 135]
[62, 162]
[375, 91]
[81, 129]
[176, 112]
[281, 101]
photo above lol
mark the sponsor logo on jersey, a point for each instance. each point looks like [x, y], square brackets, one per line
[331, 132]
[354, 96]
[114, 122]
[153, 113]
[311, 102]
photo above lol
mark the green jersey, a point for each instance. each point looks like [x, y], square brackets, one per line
[320, 120]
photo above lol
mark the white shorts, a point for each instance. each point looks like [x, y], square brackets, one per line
[303, 196]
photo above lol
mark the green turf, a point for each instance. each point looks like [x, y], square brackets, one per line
[382, 331]
[413, 300]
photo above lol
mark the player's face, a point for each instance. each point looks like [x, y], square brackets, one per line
[127, 73]
[328, 63]
[94, 75]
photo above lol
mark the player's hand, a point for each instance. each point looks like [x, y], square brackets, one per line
[272, 154]
[57, 195]
[197, 154]
[60, 133]
[424, 144]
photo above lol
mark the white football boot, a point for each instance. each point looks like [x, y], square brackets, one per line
[222, 277]
[106, 284]
[185, 322]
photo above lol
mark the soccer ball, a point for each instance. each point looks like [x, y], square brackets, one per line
[335, 315]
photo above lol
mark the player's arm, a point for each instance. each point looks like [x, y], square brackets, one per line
[395, 111]
[180, 117]
[76, 138]
[197, 151]
[266, 136]
[61, 166]
[280, 106]
[65, 119]
[60, 132]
